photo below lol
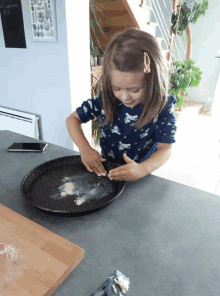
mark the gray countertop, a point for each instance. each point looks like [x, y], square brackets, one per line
[163, 236]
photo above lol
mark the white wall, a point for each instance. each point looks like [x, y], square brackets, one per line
[78, 35]
[36, 79]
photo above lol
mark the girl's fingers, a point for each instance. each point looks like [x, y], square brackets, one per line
[118, 171]
[98, 168]
[88, 168]
[93, 162]
[119, 178]
[117, 174]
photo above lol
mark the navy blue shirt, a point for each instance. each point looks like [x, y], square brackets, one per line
[121, 136]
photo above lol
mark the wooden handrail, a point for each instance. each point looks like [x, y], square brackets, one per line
[189, 43]
[188, 33]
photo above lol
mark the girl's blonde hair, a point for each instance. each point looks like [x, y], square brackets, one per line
[125, 52]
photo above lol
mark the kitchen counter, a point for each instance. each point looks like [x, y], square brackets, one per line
[163, 236]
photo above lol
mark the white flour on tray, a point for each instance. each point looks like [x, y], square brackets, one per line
[85, 191]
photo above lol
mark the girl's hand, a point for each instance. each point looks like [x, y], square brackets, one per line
[129, 172]
[92, 160]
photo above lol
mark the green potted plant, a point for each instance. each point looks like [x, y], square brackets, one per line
[183, 76]
[96, 123]
[95, 27]
[190, 12]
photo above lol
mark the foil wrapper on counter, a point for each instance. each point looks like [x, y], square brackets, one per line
[116, 284]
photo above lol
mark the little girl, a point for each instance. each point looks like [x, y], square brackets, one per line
[138, 124]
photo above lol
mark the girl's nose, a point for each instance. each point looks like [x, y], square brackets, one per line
[125, 96]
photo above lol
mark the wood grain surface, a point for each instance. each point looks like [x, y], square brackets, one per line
[33, 260]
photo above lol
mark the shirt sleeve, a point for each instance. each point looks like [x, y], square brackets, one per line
[166, 126]
[90, 109]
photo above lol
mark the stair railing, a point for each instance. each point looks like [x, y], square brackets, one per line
[174, 35]
[162, 11]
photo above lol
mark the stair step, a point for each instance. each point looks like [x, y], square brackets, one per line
[117, 20]
[112, 30]
[110, 5]
[159, 40]
[145, 6]
[152, 24]
[150, 28]
[141, 13]
[164, 53]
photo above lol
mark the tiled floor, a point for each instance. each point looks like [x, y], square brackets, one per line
[195, 157]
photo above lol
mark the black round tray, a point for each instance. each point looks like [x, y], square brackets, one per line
[63, 185]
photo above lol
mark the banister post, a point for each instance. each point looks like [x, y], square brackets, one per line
[189, 43]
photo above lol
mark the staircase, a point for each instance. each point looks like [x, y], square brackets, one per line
[152, 16]
[148, 18]
[118, 15]
[115, 16]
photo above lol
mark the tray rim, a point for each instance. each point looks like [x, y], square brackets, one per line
[66, 212]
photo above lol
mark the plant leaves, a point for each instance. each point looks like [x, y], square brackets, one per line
[190, 12]
[184, 75]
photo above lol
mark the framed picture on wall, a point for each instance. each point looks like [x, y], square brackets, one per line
[43, 18]
[12, 23]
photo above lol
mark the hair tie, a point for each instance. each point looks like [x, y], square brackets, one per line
[147, 68]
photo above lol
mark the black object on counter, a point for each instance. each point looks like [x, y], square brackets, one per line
[116, 284]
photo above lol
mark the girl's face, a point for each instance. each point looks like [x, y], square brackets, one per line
[128, 87]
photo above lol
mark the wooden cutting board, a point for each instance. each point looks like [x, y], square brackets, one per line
[34, 261]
